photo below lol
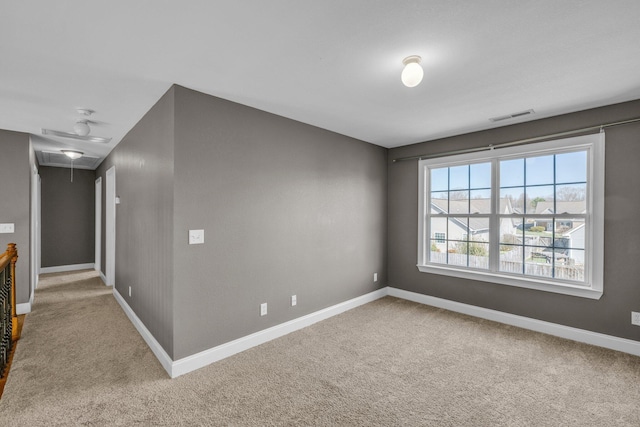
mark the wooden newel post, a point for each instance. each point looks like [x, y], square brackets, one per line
[11, 248]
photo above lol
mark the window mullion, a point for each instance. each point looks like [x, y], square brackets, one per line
[494, 219]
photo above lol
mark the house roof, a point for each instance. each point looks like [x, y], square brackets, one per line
[484, 205]
[561, 207]
[472, 206]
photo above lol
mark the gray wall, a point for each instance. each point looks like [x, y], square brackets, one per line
[68, 216]
[14, 193]
[610, 314]
[144, 219]
[287, 208]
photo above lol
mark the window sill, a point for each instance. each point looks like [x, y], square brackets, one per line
[502, 279]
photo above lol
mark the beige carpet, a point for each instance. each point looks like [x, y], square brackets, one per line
[390, 362]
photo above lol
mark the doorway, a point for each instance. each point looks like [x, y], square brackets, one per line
[98, 238]
[35, 231]
[110, 226]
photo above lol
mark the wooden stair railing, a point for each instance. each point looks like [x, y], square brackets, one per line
[8, 317]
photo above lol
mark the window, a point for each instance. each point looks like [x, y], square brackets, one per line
[529, 216]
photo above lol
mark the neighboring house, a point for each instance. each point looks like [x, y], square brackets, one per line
[569, 246]
[569, 240]
[546, 207]
[458, 228]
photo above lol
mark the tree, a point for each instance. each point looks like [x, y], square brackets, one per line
[534, 202]
[571, 194]
[459, 195]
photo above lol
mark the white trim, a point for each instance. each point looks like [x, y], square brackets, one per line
[575, 334]
[594, 145]
[39, 235]
[204, 358]
[104, 279]
[33, 226]
[527, 282]
[98, 224]
[596, 237]
[62, 268]
[24, 307]
[207, 357]
[153, 344]
[110, 226]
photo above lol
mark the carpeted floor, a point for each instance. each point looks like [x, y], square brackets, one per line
[390, 363]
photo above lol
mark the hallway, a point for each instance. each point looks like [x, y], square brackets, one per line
[390, 362]
[62, 363]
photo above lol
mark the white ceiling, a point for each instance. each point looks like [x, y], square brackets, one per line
[332, 64]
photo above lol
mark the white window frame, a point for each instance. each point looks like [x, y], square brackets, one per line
[594, 244]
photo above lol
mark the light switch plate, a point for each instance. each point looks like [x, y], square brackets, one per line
[7, 228]
[196, 237]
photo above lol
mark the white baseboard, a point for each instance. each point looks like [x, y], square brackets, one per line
[104, 279]
[206, 357]
[153, 344]
[575, 334]
[25, 307]
[62, 268]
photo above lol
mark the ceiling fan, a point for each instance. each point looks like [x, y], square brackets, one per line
[81, 129]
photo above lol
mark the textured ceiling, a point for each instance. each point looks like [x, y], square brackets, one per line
[332, 64]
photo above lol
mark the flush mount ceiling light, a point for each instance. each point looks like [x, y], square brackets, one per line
[72, 154]
[412, 73]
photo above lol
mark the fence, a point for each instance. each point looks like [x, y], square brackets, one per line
[513, 265]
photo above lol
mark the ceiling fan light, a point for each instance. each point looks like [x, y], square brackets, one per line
[81, 128]
[71, 135]
[72, 154]
[412, 73]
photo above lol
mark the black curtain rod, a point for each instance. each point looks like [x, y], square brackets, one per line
[518, 142]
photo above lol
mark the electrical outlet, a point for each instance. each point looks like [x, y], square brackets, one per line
[635, 318]
[263, 309]
[294, 300]
[375, 277]
[196, 237]
[129, 290]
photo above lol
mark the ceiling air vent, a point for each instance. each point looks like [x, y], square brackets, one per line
[511, 116]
